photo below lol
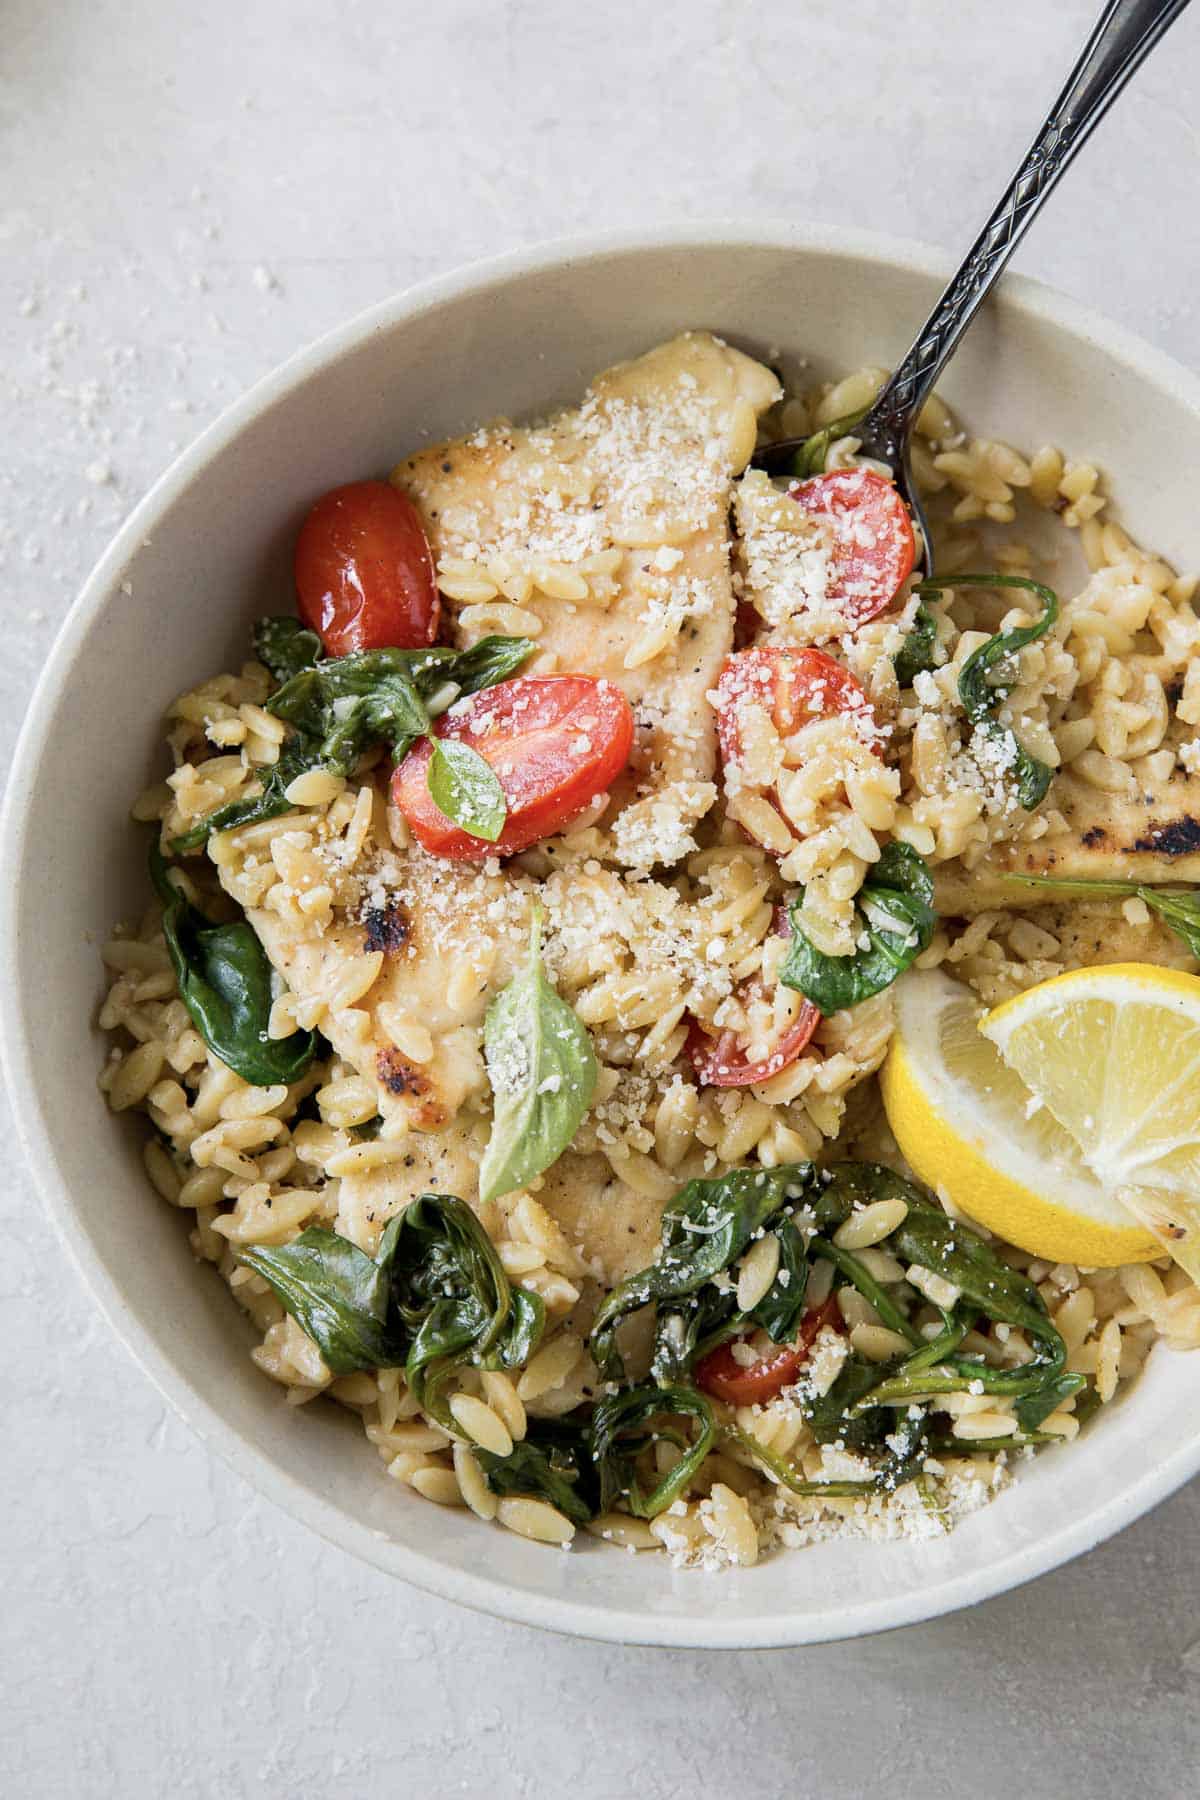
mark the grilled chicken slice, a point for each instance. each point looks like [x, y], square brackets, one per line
[450, 937]
[1135, 836]
[445, 937]
[443, 1162]
[615, 1230]
[607, 529]
[1090, 934]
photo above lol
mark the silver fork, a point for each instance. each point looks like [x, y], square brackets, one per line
[1123, 36]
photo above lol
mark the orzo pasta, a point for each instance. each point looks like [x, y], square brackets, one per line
[529, 918]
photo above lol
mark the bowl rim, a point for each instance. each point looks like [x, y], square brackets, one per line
[33, 1127]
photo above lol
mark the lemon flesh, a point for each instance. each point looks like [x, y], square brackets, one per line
[1114, 1055]
[970, 1128]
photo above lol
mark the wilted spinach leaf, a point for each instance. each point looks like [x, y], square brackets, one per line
[226, 982]
[708, 1226]
[552, 1462]
[778, 1312]
[284, 646]
[833, 1416]
[337, 1294]
[902, 1460]
[434, 1297]
[455, 1301]
[700, 1322]
[894, 910]
[811, 456]
[916, 653]
[1034, 1408]
[988, 1287]
[270, 802]
[982, 696]
[705, 1228]
[626, 1424]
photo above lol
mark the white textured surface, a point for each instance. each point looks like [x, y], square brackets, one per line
[189, 194]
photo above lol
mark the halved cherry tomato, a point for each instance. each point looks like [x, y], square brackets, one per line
[717, 1057]
[794, 686]
[554, 742]
[720, 1061]
[719, 1373]
[364, 571]
[873, 549]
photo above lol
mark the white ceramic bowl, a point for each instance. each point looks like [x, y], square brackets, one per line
[206, 552]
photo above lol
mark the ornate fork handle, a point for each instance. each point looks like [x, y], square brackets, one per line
[1124, 34]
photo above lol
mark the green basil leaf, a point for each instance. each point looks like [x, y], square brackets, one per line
[337, 1295]
[617, 1442]
[1181, 911]
[543, 1073]
[227, 984]
[1177, 907]
[465, 787]
[705, 1228]
[916, 653]
[552, 1462]
[894, 910]
[285, 646]
[981, 696]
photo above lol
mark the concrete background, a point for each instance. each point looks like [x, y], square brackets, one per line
[187, 194]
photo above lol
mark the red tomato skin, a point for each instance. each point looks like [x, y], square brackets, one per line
[795, 686]
[874, 548]
[364, 571]
[719, 1062]
[531, 730]
[715, 1058]
[720, 1374]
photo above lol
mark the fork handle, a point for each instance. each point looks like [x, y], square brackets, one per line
[1125, 33]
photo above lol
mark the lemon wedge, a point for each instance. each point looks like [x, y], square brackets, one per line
[970, 1128]
[1113, 1054]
